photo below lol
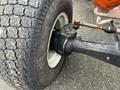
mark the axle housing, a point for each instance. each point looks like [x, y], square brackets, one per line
[65, 42]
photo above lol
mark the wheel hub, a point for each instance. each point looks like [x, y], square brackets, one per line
[53, 57]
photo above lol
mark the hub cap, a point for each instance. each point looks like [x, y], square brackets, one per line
[53, 58]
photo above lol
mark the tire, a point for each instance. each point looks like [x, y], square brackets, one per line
[25, 32]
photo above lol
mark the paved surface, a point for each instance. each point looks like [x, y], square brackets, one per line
[82, 72]
[4, 86]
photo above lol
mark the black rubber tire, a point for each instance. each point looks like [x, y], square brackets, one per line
[25, 26]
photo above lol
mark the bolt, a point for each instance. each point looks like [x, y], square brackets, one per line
[76, 25]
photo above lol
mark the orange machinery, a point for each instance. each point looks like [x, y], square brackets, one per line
[106, 4]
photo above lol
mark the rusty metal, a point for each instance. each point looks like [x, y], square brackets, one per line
[93, 26]
[76, 24]
[107, 29]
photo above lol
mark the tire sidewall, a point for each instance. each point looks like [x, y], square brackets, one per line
[41, 72]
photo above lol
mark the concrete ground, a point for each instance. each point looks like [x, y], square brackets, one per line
[82, 72]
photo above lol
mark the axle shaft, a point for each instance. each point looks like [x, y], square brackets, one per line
[85, 47]
[65, 42]
[107, 52]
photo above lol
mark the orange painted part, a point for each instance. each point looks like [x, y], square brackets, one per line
[106, 4]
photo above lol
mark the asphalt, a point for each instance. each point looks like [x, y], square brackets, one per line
[82, 72]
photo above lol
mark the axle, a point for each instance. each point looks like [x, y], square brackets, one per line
[66, 42]
[85, 47]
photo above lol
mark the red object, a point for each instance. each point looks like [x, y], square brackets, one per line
[106, 4]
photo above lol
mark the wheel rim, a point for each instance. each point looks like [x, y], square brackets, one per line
[53, 58]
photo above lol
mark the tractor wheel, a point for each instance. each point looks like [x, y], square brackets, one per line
[26, 60]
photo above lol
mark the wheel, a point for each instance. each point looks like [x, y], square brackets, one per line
[26, 58]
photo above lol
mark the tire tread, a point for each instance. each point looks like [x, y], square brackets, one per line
[16, 28]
